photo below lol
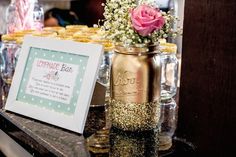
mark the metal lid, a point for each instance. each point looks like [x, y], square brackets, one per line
[45, 34]
[8, 37]
[107, 44]
[137, 49]
[168, 48]
[54, 29]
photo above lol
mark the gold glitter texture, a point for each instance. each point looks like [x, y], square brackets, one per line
[123, 144]
[134, 116]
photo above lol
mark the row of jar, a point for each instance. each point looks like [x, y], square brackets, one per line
[10, 52]
[12, 43]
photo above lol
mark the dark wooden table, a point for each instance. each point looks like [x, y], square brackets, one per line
[41, 139]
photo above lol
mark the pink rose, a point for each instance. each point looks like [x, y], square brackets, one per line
[146, 19]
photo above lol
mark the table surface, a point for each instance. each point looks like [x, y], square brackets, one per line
[41, 139]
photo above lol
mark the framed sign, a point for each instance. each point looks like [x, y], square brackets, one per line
[54, 81]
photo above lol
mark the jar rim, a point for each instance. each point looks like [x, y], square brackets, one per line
[137, 49]
[168, 48]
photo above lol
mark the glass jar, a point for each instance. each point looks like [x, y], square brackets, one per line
[19, 42]
[168, 122]
[24, 15]
[169, 76]
[104, 70]
[135, 87]
[105, 66]
[7, 63]
[19, 35]
[7, 57]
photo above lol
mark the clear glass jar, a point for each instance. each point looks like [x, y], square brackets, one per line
[105, 66]
[7, 57]
[104, 69]
[24, 15]
[169, 74]
[7, 63]
[168, 122]
[19, 42]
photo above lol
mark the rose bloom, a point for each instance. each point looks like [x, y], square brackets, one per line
[146, 19]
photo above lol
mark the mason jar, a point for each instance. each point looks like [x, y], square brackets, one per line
[169, 75]
[7, 57]
[135, 87]
[105, 66]
[7, 64]
[19, 42]
[168, 123]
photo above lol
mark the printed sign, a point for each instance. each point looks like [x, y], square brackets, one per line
[54, 82]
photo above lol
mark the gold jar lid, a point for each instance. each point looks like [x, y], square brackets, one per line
[56, 29]
[137, 49]
[84, 33]
[16, 37]
[93, 29]
[23, 33]
[80, 36]
[98, 37]
[8, 37]
[168, 48]
[76, 27]
[45, 34]
[83, 40]
[107, 44]
[64, 37]
[19, 41]
[67, 33]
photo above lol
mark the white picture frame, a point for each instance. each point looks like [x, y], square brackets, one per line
[46, 86]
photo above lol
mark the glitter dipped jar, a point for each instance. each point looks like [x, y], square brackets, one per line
[135, 87]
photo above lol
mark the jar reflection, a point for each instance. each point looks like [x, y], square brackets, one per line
[130, 144]
[168, 123]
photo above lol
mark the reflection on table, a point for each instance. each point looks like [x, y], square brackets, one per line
[42, 139]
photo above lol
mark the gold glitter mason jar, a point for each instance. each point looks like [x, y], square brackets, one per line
[135, 87]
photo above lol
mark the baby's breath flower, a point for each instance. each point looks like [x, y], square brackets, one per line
[118, 26]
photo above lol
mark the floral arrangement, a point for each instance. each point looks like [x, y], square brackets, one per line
[137, 22]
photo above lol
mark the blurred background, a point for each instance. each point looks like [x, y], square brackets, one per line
[80, 11]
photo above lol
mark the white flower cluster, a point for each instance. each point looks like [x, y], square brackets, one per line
[149, 2]
[118, 27]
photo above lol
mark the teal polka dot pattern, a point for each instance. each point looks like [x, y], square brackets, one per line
[51, 55]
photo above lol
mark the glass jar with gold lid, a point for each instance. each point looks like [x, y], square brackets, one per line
[11, 45]
[169, 77]
[104, 70]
